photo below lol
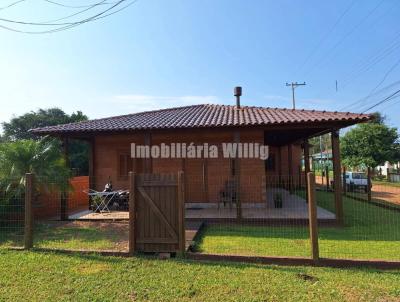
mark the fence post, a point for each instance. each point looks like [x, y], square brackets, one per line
[181, 213]
[369, 183]
[312, 216]
[344, 181]
[28, 229]
[132, 213]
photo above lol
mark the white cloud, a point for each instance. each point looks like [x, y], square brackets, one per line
[138, 102]
[272, 97]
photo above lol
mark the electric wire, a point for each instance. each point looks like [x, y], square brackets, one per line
[68, 25]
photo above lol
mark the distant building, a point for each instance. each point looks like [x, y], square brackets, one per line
[321, 159]
[388, 167]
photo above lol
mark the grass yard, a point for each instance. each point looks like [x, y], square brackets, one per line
[39, 276]
[370, 232]
[73, 235]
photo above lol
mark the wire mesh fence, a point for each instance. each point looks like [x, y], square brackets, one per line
[74, 216]
[371, 227]
[269, 227]
[12, 209]
[263, 216]
[247, 216]
[66, 215]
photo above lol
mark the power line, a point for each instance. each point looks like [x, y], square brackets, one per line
[345, 36]
[69, 25]
[50, 22]
[383, 101]
[326, 35]
[100, 17]
[371, 61]
[385, 76]
[77, 13]
[73, 6]
[12, 4]
[390, 105]
[365, 101]
[381, 54]
[377, 86]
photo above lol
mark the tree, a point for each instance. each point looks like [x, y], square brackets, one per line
[370, 145]
[42, 157]
[317, 142]
[18, 128]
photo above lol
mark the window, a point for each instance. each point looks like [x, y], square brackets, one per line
[270, 163]
[359, 176]
[124, 165]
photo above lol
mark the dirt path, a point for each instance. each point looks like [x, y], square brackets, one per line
[387, 193]
[381, 192]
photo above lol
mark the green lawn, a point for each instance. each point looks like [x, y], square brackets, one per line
[39, 276]
[370, 232]
[386, 183]
[72, 235]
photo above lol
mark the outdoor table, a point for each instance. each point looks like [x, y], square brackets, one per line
[105, 199]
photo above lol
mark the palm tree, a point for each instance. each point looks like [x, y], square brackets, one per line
[43, 158]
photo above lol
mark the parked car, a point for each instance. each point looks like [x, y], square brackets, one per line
[355, 180]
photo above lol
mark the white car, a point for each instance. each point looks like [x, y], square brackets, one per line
[355, 180]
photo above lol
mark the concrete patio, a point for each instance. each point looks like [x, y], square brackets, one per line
[293, 208]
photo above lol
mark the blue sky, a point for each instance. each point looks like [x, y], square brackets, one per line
[158, 54]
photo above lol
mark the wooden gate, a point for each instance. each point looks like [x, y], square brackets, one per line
[157, 221]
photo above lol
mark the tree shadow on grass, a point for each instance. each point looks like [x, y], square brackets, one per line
[213, 264]
[77, 235]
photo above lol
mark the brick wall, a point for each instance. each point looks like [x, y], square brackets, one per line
[204, 178]
[47, 203]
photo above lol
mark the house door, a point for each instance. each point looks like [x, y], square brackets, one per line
[196, 180]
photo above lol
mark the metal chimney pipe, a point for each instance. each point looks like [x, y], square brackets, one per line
[237, 93]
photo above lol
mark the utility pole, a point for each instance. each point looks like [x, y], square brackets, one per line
[294, 85]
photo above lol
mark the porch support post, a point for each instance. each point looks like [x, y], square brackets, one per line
[306, 147]
[290, 167]
[91, 143]
[64, 193]
[337, 176]
[148, 162]
[237, 178]
[344, 181]
[279, 167]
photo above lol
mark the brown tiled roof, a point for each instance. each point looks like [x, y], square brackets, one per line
[205, 115]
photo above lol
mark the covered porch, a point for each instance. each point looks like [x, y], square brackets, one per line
[294, 209]
[286, 132]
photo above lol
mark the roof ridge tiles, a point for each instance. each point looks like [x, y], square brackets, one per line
[205, 115]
